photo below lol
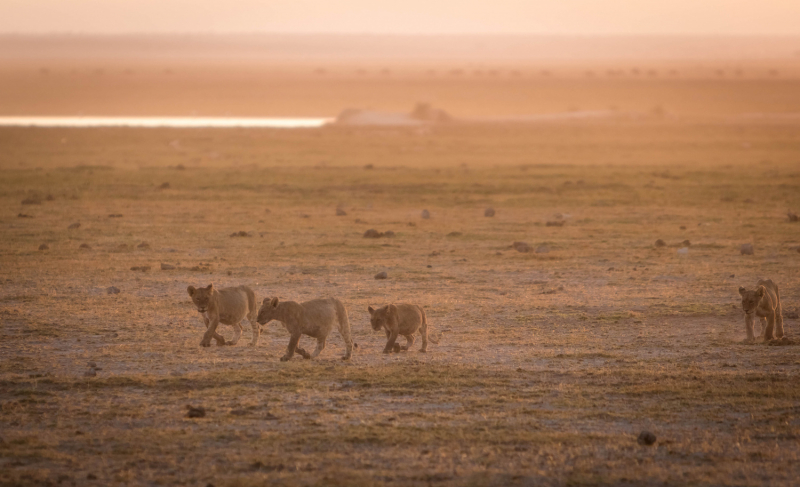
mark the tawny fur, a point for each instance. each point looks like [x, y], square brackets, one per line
[314, 318]
[401, 319]
[765, 302]
[228, 306]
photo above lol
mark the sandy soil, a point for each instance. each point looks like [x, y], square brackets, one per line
[549, 366]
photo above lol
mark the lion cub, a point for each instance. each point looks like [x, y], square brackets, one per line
[229, 306]
[764, 302]
[400, 319]
[314, 318]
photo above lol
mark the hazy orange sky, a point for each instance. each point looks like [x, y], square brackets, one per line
[581, 17]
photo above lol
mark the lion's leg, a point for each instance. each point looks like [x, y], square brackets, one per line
[768, 335]
[390, 342]
[748, 324]
[320, 347]
[423, 330]
[237, 333]
[763, 321]
[211, 332]
[409, 341]
[779, 321]
[292, 346]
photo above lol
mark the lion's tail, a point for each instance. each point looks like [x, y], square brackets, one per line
[433, 337]
[344, 327]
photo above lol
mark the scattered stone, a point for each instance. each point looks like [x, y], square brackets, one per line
[454, 234]
[369, 166]
[781, 342]
[49, 197]
[267, 210]
[142, 268]
[91, 476]
[115, 215]
[85, 246]
[340, 212]
[660, 243]
[112, 290]
[74, 226]
[557, 223]
[426, 214]
[430, 266]
[240, 233]
[32, 201]
[359, 220]
[412, 224]
[646, 438]
[90, 373]
[143, 245]
[44, 247]
[389, 234]
[521, 247]
[792, 217]
[164, 186]
[746, 249]
[683, 251]
[382, 275]
[435, 253]
[686, 243]
[24, 215]
[792, 315]
[167, 267]
[92, 364]
[488, 211]
[542, 249]
[193, 412]
[372, 233]
[683, 227]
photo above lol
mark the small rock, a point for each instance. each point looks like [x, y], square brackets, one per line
[781, 342]
[454, 234]
[542, 249]
[167, 267]
[430, 266]
[92, 364]
[91, 476]
[112, 290]
[143, 245]
[372, 233]
[412, 224]
[426, 214]
[558, 223]
[194, 412]
[31, 201]
[646, 438]
[164, 186]
[686, 243]
[792, 315]
[488, 211]
[24, 215]
[746, 249]
[340, 212]
[521, 247]
[115, 215]
[660, 243]
[90, 373]
[74, 226]
[382, 275]
[369, 166]
[44, 247]
[50, 197]
[240, 233]
[683, 227]
[683, 251]
[435, 253]
[85, 246]
[792, 217]
[267, 210]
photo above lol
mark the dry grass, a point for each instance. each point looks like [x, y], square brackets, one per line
[550, 363]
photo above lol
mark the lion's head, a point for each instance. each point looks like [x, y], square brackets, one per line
[381, 316]
[750, 299]
[201, 296]
[267, 311]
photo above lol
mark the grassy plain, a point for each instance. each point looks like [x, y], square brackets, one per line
[549, 366]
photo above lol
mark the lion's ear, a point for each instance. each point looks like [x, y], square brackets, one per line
[274, 302]
[371, 310]
[210, 287]
[742, 290]
[264, 301]
[392, 311]
[760, 291]
[191, 290]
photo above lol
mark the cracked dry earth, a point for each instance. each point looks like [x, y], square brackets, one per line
[549, 364]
